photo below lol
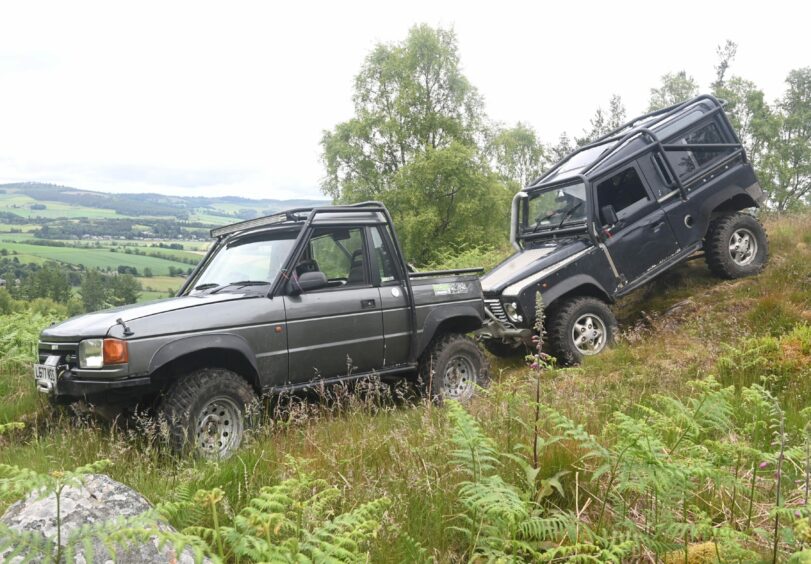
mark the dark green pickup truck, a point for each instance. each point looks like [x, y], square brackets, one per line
[289, 301]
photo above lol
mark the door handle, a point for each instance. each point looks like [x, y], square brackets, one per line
[657, 226]
[367, 304]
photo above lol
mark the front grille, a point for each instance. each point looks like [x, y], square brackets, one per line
[496, 309]
[69, 352]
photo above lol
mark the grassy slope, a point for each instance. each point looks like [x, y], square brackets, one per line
[675, 330]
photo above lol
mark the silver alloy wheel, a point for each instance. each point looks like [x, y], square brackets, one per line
[218, 428]
[589, 334]
[460, 378]
[742, 246]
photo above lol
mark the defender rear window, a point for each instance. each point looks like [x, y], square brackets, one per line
[690, 161]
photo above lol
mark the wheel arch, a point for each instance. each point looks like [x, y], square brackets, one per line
[576, 286]
[181, 356]
[453, 319]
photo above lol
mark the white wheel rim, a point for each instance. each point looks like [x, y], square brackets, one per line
[589, 334]
[218, 429]
[742, 247]
[460, 378]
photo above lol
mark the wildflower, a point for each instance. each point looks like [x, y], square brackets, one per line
[763, 464]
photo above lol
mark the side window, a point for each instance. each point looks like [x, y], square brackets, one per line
[382, 260]
[689, 161]
[338, 253]
[624, 191]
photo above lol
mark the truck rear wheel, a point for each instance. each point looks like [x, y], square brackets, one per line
[736, 246]
[452, 368]
[208, 412]
[580, 327]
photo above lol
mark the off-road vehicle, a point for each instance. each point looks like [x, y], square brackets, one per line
[615, 214]
[299, 299]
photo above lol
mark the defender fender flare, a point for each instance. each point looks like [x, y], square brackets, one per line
[584, 282]
[196, 343]
[464, 317]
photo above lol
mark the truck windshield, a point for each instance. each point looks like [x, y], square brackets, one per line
[253, 260]
[556, 207]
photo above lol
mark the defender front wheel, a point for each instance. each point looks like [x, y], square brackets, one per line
[580, 327]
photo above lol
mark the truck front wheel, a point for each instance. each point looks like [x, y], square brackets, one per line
[207, 412]
[580, 327]
[452, 368]
[736, 246]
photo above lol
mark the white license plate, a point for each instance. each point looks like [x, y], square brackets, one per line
[47, 372]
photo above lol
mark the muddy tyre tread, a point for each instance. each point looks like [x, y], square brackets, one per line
[559, 327]
[190, 389]
[436, 356]
[716, 246]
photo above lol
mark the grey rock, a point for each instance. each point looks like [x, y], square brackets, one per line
[100, 499]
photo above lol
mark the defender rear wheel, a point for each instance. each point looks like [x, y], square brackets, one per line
[736, 246]
[580, 327]
[452, 368]
[208, 412]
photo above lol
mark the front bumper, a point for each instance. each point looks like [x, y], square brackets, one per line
[70, 387]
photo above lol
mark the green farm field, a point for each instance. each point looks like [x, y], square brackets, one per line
[91, 257]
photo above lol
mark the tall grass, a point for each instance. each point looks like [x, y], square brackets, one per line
[612, 429]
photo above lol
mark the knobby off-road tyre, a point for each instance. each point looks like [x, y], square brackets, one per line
[452, 368]
[580, 327]
[207, 412]
[504, 350]
[736, 246]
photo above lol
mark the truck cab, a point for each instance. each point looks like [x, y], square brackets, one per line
[616, 213]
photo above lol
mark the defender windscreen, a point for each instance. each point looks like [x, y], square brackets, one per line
[555, 208]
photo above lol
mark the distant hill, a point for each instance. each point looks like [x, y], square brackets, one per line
[33, 200]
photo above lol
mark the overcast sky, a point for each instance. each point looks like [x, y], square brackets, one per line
[232, 97]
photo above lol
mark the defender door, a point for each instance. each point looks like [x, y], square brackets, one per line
[642, 237]
[336, 331]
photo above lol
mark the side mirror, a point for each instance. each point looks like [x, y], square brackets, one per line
[308, 282]
[609, 215]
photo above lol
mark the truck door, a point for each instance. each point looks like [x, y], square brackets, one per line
[393, 297]
[642, 237]
[338, 330]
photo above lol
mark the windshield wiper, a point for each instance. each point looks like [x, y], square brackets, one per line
[206, 286]
[242, 284]
[568, 213]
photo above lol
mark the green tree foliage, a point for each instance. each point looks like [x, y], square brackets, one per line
[787, 166]
[51, 281]
[93, 291]
[605, 121]
[676, 87]
[124, 289]
[517, 154]
[414, 143]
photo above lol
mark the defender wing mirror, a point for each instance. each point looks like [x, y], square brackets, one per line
[609, 215]
[307, 282]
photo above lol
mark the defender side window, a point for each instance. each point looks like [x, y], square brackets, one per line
[624, 191]
[688, 162]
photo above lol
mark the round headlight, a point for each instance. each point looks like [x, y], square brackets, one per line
[511, 309]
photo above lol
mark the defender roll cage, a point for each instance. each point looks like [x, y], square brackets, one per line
[619, 138]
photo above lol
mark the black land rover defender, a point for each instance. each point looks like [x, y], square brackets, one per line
[613, 215]
[299, 299]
